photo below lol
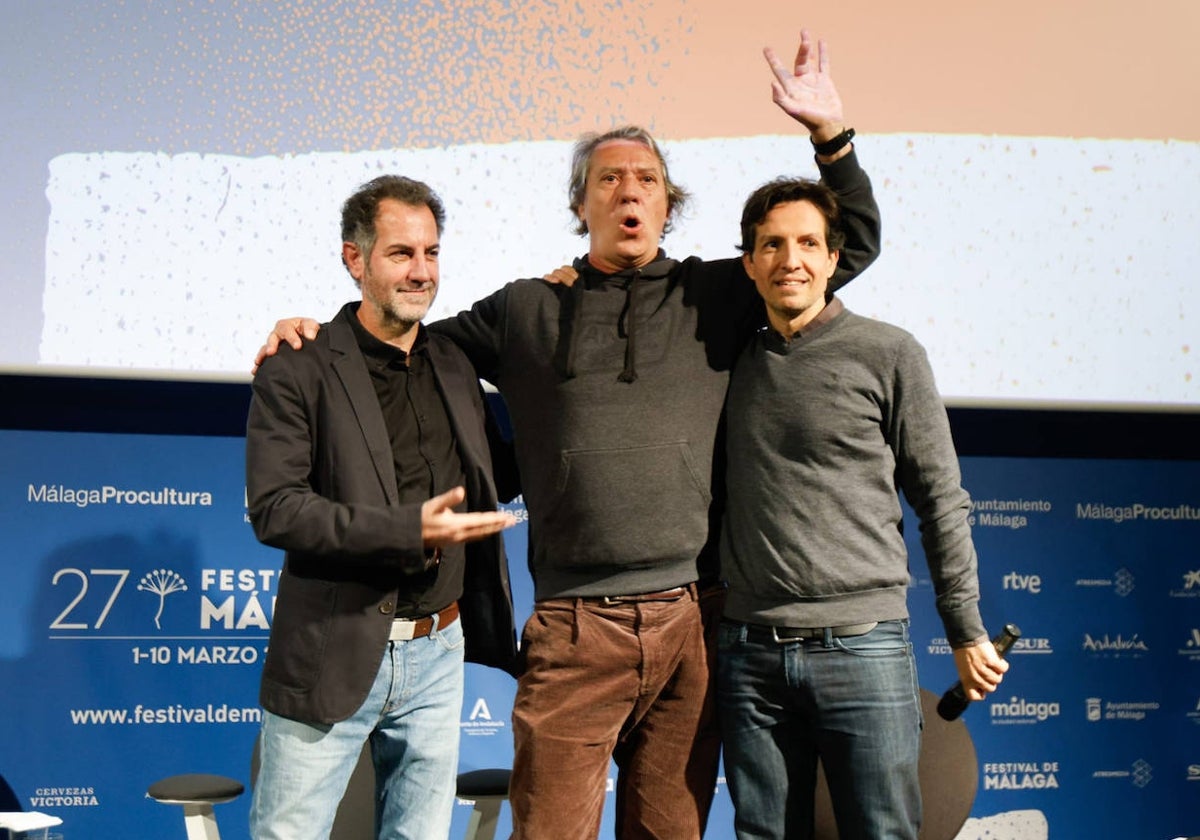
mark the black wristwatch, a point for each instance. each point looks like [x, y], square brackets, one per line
[832, 147]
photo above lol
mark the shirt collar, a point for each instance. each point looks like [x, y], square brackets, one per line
[382, 353]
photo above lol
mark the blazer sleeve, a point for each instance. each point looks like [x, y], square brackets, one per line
[311, 487]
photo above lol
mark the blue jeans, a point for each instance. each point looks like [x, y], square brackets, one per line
[411, 718]
[852, 701]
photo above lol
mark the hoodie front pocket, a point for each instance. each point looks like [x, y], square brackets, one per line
[628, 506]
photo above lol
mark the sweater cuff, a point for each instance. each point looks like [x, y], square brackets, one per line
[844, 174]
[964, 626]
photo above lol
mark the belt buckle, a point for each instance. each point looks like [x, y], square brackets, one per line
[402, 629]
[802, 634]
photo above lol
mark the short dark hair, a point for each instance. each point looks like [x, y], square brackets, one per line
[581, 164]
[360, 209]
[784, 191]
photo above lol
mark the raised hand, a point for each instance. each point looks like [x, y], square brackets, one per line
[806, 91]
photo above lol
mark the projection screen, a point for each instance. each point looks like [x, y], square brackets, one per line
[174, 171]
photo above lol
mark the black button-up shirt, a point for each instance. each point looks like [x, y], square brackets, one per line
[424, 451]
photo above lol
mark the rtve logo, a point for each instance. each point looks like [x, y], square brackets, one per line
[1022, 583]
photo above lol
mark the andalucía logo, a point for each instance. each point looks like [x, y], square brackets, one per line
[1115, 647]
[480, 721]
[1191, 647]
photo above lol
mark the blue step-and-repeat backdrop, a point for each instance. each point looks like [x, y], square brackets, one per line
[137, 605]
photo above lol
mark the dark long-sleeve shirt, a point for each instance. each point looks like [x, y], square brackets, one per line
[617, 469]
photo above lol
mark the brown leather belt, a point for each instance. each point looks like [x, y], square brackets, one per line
[404, 629]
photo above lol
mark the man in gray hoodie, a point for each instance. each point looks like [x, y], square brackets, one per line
[615, 386]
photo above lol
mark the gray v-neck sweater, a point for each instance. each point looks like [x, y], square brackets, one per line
[823, 431]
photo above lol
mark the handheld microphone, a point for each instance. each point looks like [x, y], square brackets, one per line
[955, 701]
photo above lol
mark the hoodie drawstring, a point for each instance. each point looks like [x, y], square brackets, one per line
[570, 317]
[629, 372]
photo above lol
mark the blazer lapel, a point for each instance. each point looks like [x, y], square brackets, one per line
[351, 370]
[458, 385]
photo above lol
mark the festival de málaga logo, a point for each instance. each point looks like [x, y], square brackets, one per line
[1020, 775]
[161, 582]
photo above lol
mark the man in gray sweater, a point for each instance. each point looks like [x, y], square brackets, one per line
[615, 386]
[828, 414]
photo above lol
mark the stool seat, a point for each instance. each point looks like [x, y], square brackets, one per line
[488, 789]
[476, 783]
[197, 793]
[195, 787]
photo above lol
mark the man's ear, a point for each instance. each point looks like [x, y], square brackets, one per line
[352, 257]
[836, 256]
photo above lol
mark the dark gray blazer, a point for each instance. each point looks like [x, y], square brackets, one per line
[321, 484]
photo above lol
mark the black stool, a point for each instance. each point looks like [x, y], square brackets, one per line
[487, 789]
[197, 793]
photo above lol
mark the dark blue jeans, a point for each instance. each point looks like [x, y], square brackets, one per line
[853, 701]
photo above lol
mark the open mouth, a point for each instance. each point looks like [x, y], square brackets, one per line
[631, 223]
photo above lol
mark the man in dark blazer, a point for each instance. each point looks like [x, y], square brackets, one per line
[364, 451]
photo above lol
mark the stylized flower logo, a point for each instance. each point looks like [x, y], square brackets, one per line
[162, 582]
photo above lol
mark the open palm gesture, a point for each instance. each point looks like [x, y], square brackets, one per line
[806, 91]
